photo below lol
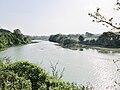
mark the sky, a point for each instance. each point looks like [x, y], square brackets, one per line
[46, 17]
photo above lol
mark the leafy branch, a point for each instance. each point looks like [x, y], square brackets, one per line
[97, 17]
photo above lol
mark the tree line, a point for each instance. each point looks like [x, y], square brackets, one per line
[8, 38]
[107, 39]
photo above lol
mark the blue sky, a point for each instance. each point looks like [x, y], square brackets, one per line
[45, 17]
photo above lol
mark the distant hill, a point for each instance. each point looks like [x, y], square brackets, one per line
[45, 38]
[87, 34]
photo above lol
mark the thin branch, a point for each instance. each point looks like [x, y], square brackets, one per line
[97, 17]
[61, 74]
[55, 72]
[117, 5]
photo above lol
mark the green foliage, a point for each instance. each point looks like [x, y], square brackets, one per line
[29, 71]
[11, 39]
[59, 38]
[2, 45]
[63, 40]
[69, 41]
[81, 38]
[28, 76]
[10, 81]
[109, 39]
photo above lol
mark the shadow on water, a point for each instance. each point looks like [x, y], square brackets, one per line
[87, 47]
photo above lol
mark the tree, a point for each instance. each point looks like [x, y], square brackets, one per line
[109, 39]
[29, 71]
[59, 38]
[81, 38]
[17, 31]
[68, 41]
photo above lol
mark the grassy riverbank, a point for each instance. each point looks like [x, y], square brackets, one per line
[98, 48]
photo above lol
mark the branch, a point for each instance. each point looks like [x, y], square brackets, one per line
[117, 5]
[97, 17]
[55, 72]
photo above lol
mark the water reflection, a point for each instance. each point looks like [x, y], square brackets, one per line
[98, 49]
[106, 74]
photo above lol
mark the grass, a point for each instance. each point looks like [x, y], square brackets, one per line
[90, 38]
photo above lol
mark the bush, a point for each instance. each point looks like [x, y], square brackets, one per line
[2, 45]
[69, 41]
[27, 76]
[109, 39]
[57, 38]
[10, 81]
[81, 38]
[29, 71]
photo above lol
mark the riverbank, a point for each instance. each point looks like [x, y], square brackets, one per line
[105, 43]
[83, 46]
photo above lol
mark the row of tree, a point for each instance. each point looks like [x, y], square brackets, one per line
[8, 38]
[45, 38]
[107, 39]
[62, 39]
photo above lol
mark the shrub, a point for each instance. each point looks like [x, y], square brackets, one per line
[109, 39]
[69, 41]
[10, 81]
[27, 76]
[29, 71]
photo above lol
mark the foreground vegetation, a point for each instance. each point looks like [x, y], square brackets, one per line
[8, 38]
[28, 76]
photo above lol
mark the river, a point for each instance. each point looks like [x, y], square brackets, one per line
[81, 67]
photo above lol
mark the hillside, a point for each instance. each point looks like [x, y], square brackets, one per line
[8, 38]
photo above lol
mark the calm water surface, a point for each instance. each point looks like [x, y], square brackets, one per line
[80, 66]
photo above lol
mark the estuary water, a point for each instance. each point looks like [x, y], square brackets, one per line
[83, 67]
